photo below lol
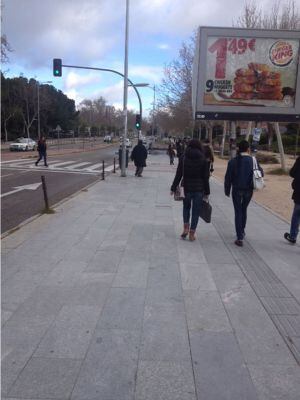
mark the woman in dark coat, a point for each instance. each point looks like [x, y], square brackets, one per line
[294, 230]
[193, 170]
[138, 156]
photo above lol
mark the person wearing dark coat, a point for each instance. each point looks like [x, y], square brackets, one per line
[193, 173]
[294, 229]
[171, 153]
[42, 149]
[239, 177]
[179, 148]
[138, 156]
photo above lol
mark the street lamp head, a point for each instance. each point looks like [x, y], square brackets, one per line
[139, 84]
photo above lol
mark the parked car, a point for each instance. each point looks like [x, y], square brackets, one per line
[23, 144]
[128, 142]
[107, 139]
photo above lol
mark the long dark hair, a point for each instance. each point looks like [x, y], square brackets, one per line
[195, 144]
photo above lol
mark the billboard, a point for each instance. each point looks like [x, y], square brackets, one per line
[238, 72]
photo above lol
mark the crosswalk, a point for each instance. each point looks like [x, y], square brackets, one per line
[59, 166]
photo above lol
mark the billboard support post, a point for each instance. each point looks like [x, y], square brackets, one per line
[280, 146]
[233, 139]
[249, 130]
[223, 138]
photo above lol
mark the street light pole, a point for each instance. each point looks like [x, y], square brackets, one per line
[38, 106]
[123, 164]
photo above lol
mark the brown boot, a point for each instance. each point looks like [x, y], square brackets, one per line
[192, 235]
[185, 232]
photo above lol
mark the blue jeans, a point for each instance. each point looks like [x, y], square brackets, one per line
[241, 200]
[42, 155]
[192, 200]
[295, 222]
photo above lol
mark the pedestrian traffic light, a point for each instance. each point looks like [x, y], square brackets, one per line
[138, 121]
[57, 67]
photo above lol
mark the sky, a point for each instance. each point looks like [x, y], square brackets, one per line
[91, 33]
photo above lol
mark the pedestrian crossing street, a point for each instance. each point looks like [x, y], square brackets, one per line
[59, 166]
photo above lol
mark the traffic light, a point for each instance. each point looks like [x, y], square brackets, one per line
[138, 122]
[57, 67]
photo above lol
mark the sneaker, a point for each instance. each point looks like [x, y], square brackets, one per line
[36, 164]
[287, 236]
[239, 243]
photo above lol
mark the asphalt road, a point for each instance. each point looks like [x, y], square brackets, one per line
[67, 174]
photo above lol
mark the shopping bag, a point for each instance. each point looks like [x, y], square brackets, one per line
[258, 180]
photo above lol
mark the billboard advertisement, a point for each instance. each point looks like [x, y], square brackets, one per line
[247, 71]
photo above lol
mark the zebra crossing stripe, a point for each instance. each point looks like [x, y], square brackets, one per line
[60, 164]
[78, 165]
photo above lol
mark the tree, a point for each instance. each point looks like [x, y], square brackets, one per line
[175, 91]
[281, 16]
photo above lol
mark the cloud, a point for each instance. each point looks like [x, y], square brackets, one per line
[163, 46]
[74, 80]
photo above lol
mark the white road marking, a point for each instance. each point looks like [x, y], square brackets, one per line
[57, 166]
[32, 186]
[60, 164]
[75, 166]
[4, 176]
[93, 167]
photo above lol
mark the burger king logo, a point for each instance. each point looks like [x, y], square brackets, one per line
[281, 53]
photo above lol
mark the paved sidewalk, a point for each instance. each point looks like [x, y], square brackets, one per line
[103, 301]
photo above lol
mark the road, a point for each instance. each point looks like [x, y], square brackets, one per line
[67, 173]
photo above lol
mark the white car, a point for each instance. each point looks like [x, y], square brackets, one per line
[107, 139]
[128, 142]
[23, 144]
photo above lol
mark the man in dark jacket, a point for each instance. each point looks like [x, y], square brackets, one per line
[239, 177]
[138, 156]
[42, 149]
[294, 230]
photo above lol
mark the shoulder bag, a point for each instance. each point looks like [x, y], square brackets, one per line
[258, 180]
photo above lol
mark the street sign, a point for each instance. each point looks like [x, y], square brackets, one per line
[256, 132]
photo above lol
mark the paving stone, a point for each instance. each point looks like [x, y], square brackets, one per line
[205, 311]
[164, 335]
[196, 277]
[259, 340]
[105, 261]
[219, 369]
[46, 378]
[190, 252]
[133, 274]
[109, 370]
[276, 382]
[170, 296]
[165, 381]
[228, 278]
[70, 334]
[216, 252]
[124, 309]
[20, 336]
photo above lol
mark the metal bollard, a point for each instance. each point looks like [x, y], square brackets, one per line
[45, 193]
[103, 171]
[114, 171]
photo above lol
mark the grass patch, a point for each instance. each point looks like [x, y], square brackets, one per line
[278, 171]
[47, 211]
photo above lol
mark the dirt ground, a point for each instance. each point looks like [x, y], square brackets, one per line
[277, 194]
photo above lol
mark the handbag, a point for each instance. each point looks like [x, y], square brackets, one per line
[205, 211]
[258, 180]
[179, 193]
